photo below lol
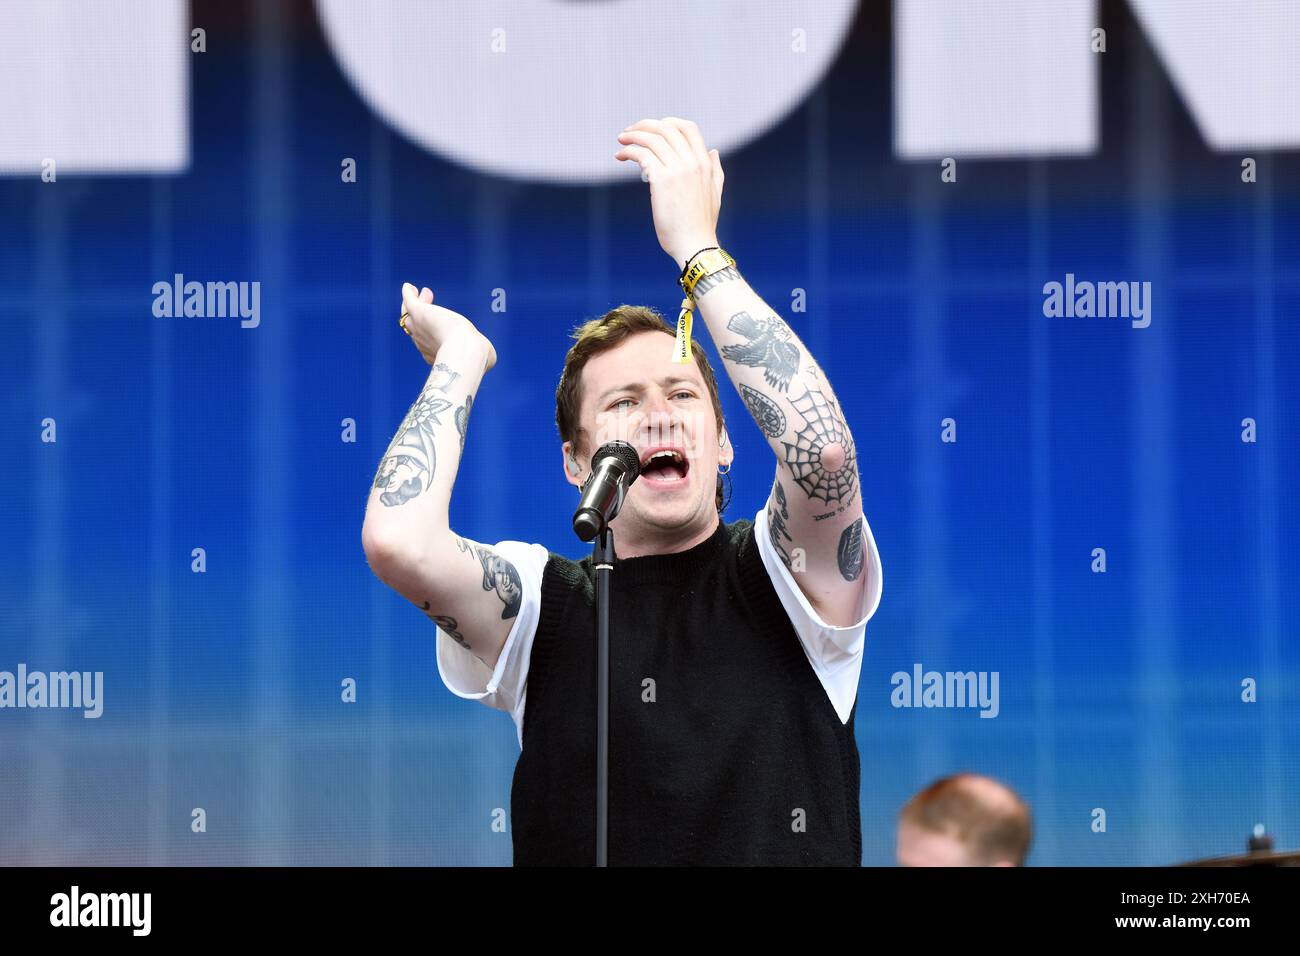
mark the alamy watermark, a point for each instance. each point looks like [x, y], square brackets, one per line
[83, 690]
[75, 908]
[1100, 300]
[922, 688]
[212, 300]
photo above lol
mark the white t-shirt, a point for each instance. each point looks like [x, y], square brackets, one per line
[834, 652]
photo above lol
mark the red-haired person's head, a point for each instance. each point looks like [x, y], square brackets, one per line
[964, 820]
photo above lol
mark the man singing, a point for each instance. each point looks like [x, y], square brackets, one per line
[735, 649]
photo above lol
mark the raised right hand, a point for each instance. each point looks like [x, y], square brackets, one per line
[432, 327]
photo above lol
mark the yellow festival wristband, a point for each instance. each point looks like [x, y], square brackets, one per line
[703, 263]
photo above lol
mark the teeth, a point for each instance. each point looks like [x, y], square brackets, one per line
[660, 454]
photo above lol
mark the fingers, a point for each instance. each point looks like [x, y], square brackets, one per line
[681, 145]
[642, 156]
[410, 295]
[653, 142]
[666, 133]
[412, 300]
[691, 134]
[667, 148]
[657, 143]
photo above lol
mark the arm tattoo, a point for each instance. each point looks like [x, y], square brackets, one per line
[445, 376]
[822, 457]
[838, 511]
[725, 274]
[766, 412]
[849, 555]
[767, 346]
[776, 516]
[462, 420]
[408, 465]
[448, 626]
[410, 460]
[498, 575]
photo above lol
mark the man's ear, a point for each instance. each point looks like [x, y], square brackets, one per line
[726, 454]
[571, 467]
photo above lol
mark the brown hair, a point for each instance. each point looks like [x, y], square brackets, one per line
[607, 332]
[982, 814]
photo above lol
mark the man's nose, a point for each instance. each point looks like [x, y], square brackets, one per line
[662, 420]
[658, 406]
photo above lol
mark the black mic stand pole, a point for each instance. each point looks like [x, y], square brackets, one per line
[599, 505]
[602, 560]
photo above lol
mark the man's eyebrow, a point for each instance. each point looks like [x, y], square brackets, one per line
[636, 386]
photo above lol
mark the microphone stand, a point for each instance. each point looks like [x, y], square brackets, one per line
[616, 462]
[602, 560]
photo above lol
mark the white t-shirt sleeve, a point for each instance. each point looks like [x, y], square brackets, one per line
[503, 687]
[834, 652]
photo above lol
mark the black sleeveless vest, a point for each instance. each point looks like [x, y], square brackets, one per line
[724, 748]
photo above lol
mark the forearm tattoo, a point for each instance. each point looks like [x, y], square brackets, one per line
[777, 513]
[766, 412]
[849, 555]
[408, 465]
[442, 377]
[725, 274]
[498, 575]
[462, 420]
[822, 458]
[767, 346]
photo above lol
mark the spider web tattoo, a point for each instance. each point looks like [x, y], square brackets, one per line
[823, 429]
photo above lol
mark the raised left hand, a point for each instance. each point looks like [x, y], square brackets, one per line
[685, 182]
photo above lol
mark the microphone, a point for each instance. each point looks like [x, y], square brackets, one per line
[613, 469]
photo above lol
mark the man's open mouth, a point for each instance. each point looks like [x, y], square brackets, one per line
[664, 465]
